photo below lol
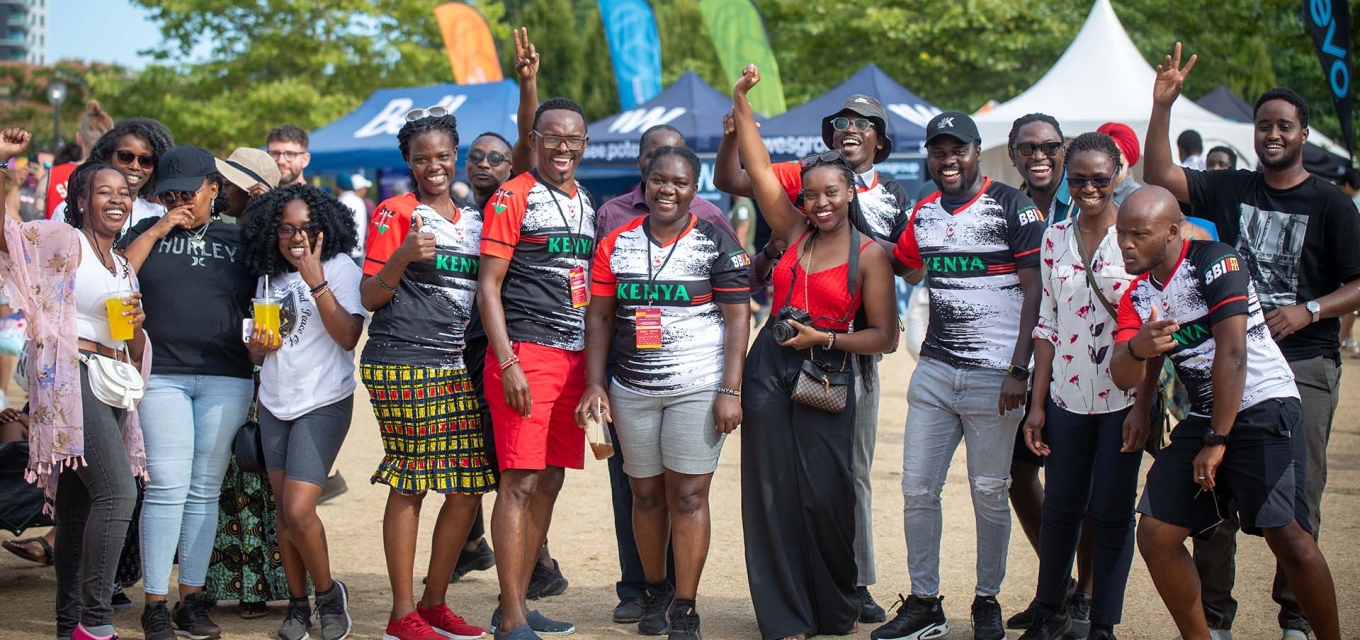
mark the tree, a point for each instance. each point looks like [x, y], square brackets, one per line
[23, 98]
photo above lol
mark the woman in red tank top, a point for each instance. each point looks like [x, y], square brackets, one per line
[798, 494]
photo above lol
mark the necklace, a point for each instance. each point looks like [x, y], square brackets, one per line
[112, 264]
[196, 242]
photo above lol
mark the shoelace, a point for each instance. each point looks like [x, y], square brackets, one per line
[655, 602]
[300, 614]
[158, 622]
[198, 611]
[900, 606]
[331, 607]
[685, 621]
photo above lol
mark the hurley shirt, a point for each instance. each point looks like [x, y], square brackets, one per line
[972, 254]
[668, 329]
[1297, 244]
[422, 325]
[1209, 285]
[196, 297]
[884, 202]
[548, 235]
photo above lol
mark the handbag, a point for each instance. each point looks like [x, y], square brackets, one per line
[114, 382]
[248, 446]
[818, 385]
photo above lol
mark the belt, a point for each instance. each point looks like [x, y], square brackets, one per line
[87, 346]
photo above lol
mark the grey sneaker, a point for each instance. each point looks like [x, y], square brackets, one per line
[296, 622]
[332, 612]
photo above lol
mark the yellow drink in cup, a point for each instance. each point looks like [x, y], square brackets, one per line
[267, 313]
[120, 326]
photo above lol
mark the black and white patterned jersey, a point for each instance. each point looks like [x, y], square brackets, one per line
[885, 204]
[1209, 284]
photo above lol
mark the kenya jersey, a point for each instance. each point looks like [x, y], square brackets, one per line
[423, 323]
[548, 236]
[684, 280]
[972, 255]
[1210, 284]
[884, 202]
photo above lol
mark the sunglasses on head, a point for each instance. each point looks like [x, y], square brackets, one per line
[287, 230]
[1027, 149]
[843, 123]
[127, 157]
[1077, 184]
[820, 158]
[428, 112]
[574, 143]
[177, 196]
[495, 158]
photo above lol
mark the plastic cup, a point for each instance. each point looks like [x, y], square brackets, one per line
[267, 313]
[120, 326]
[598, 435]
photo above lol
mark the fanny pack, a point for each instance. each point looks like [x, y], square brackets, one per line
[114, 382]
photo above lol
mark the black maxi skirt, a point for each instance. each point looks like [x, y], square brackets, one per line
[797, 501]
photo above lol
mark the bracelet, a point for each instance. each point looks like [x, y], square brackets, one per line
[316, 295]
[830, 340]
[766, 251]
[383, 284]
[509, 362]
[729, 392]
[323, 285]
[1129, 345]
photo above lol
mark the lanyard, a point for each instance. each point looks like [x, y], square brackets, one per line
[651, 278]
[565, 223]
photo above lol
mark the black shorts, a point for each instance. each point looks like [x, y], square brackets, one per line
[1263, 471]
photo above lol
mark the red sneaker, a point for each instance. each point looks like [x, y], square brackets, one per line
[449, 625]
[412, 627]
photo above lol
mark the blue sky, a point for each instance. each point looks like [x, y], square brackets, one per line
[114, 32]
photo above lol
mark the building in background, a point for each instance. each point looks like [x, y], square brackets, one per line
[23, 31]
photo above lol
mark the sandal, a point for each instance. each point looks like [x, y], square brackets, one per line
[21, 548]
[253, 610]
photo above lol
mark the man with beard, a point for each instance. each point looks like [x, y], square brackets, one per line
[1036, 150]
[287, 145]
[1194, 303]
[978, 240]
[1296, 234]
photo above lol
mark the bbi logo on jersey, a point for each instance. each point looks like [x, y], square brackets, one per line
[739, 259]
[1029, 214]
[1225, 265]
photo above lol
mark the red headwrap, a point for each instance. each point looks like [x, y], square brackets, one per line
[1125, 138]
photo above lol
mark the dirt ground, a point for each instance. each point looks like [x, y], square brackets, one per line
[583, 541]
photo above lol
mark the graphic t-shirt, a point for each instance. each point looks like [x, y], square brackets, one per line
[423, 324]
[309, 370]
[884, 202]
[683, 281]
[973, 256]
[548, 236]
[195, 297]
[1208, 286]
[1298, 244]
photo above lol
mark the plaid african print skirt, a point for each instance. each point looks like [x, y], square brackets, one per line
[431, 429]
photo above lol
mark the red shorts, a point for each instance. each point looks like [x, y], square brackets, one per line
[550, 435]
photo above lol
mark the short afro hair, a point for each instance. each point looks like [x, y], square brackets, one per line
[1232, 155]
[288, 133]
[493, 134]
[260, 224]
[1097, 142]
[1191, 142]
[558, 104]
[655, 129]
[1288, 95]
[152, 132]
[684, 153]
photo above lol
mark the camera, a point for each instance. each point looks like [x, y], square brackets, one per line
[782, 330]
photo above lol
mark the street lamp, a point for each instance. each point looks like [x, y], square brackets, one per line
[56, 94]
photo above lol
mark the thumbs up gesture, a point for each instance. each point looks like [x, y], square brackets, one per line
[419, 244]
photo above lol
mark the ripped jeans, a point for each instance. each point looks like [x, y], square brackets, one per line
[947, 404]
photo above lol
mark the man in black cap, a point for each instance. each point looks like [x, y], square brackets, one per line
[859, 132]
[978, 240]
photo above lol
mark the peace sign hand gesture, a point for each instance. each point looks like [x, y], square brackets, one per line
[526, 56]
[1170, 78]
[308, 262]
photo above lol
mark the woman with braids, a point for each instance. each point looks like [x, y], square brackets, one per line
[1090, 431]
[197, 294]
[134, 147]
[798, 493]
[83, 452]
[420, 272]
[297, 242]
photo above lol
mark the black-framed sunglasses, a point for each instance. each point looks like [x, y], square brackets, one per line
[428, 112]
[1077, 184]
[287, 230]
[1027, 149]
[1202, 532]
[174, 197]
[842, 123]
[819, 158]
[574, 143]
[127, 157]
[495, 158]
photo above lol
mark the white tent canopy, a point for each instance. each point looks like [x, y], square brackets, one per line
[1102, 78]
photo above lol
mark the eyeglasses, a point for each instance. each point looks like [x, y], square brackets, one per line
[127, 157]
[574, 143]
[1203, 532]
[287, 230]
[175, 197]
[495, 158]
[843, 123]
[1077, 184]
[286, 155]
[428, 112]
[819, 158]
[1027, 149]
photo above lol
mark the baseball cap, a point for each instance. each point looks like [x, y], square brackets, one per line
[247, 167]
[360, 182]
[184, 168]
[867, 107]
[955, 124]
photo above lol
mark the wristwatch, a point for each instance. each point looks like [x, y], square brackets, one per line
[1018, 372]
[1212, 439]
[1314, 308]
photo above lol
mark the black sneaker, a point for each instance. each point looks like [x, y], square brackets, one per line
[156, 621]
[545, 583]
[684, 624]
[628, 611]
[1102, 634]
[335, 487]
[191, 619]
[655, 608]
[1047, 625]
[869, 611]
[120, 599]
[987, 619]
[916, 619]
[1079, 612]
[479, 559]
[1022, 620]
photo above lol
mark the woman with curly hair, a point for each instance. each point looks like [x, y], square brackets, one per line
[420, 273]
[297, 241]
[134, 147]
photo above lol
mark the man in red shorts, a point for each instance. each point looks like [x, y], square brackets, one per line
[538, 237]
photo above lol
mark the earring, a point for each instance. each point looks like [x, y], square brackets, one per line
[213, 211]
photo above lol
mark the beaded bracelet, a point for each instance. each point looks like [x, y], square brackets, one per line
[317, 295]
[323, 285]
[509, 362]
[383, 284]
[729, 392]
[830, 340]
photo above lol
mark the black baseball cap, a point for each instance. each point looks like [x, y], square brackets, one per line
[184, 168]
[955, 124]
[867, 107]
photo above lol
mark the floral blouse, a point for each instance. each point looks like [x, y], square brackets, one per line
[1073, 319]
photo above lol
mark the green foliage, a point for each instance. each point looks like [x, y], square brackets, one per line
[23, 98]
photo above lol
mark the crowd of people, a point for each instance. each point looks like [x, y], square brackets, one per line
[174, 297]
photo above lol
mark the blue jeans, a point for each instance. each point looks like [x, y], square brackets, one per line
[188, 423]
[946, 405]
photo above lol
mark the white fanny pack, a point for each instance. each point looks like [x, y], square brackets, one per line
[116, 383]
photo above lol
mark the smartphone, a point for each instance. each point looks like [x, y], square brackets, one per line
[247, 328]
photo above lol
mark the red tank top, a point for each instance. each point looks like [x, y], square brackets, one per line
[831, 306]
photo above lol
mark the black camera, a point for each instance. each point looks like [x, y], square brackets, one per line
[782, 330]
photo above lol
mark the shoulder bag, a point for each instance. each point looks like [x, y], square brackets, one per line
[115, 382]
[820, 385]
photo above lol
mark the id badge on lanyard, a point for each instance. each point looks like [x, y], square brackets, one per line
[647, 321]
[577, 280]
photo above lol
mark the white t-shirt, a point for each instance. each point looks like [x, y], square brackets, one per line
[356, 204]
[94, 283]
[310, 370]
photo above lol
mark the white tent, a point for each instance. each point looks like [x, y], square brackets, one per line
[1102, 78]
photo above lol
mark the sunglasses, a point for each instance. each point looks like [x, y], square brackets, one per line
[1027, 149]
[286, 155]
[175, 197]
[428, 112]
[819, 158]
[127, 157]
[574, 143]
[843, 123]
[495, 158]
[287, 230]
[1077, 184]
[1202, 532]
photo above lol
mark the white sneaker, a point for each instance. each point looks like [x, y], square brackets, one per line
[1292, 634]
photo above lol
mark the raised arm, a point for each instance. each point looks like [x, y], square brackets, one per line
[784, 218]
[1158, 167]
[526, 67]
[13, 142]
[728, 175]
